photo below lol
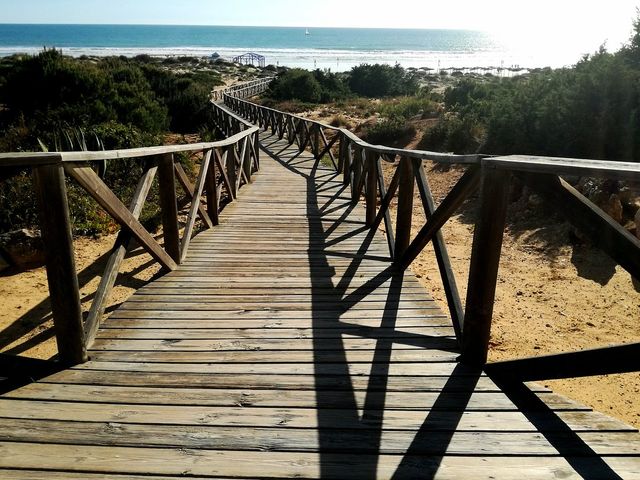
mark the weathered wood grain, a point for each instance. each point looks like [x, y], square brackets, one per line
[61, 271]
[287, 346]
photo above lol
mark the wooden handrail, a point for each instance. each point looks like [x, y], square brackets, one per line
[226, 166]
[359, 162]
[230, 99]
[28, 159]
[244, 90]
[566, 166]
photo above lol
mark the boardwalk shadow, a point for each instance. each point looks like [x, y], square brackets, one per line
[346, 425]
[569, 445]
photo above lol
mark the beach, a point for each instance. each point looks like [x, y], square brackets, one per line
[337, 49]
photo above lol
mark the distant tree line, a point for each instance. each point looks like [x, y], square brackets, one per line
[321, 86]
[45, 94]
[591, 110]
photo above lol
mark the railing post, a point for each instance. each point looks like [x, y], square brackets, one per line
[316, 140]
[256, 149]
[61, 268]
[232, 161]
[212, 191]
[372, 186]
[483, 271]
[358, 171]
[345, 145]
[246, 161]
[341, 142]
[302, 135]
[404, 212]
[169, 206]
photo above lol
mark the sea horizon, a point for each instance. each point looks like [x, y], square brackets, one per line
[338, 49]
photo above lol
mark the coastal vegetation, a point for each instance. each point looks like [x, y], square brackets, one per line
[550, 273]
[589, 110]
[53, 102]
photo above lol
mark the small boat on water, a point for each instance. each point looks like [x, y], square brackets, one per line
[306, 32]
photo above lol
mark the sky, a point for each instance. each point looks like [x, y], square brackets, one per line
[529, 21]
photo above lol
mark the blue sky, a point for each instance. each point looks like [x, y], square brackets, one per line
[530, 21]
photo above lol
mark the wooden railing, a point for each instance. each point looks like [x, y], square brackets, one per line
[225, 166]
[360, 164]
[243, 90]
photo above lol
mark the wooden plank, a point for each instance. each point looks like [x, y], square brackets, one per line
[35, 159]
[385, 202]
[304, 440]
[273, 314]
[90, 181]
[356, 166]
[279, 367]
[255, 150]
[423, 307]
[232, 172]
[371, 167]
[206, 295]
[406, 333]
[244, 162]
[295, 418]
[272, 356]
[478, 401]
[364, 325]
[64, 291]
[243, 464]
[327, 148]
[348, 161]
[323, 383]
[221, 160]
[629, 171]
[267, 344]
[213, 203]
[25, 474]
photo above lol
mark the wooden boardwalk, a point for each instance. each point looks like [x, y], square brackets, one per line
[286, 347]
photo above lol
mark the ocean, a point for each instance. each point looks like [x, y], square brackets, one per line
[337, 49]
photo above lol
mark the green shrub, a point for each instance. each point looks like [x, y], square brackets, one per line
[333, 87]
[289, 106]
[408, 107]
[296, 84]
[60, 103]
[389, 131]
[381, 81]
[186, 96]
[591, 110]
[453, 134]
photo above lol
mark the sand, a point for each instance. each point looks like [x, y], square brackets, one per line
[25, 319]
[552, 296]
